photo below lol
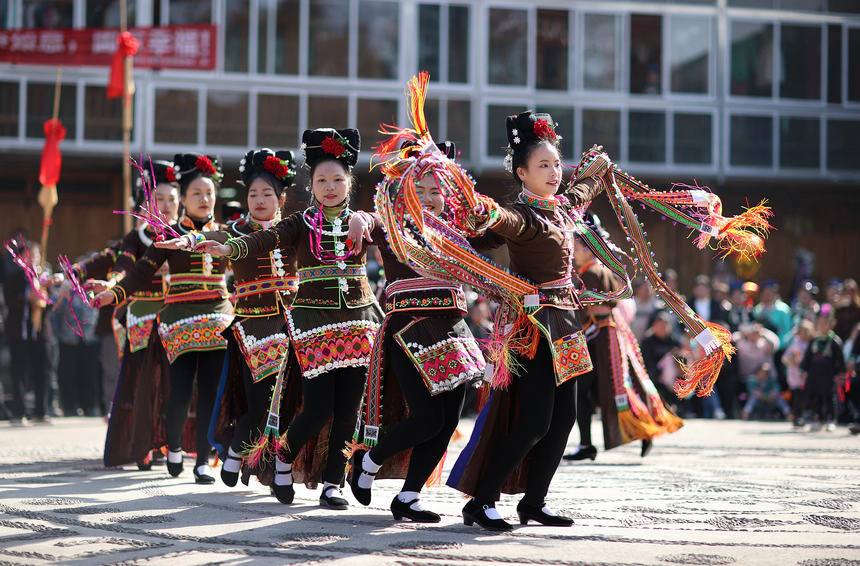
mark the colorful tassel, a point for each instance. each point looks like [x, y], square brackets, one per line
[701, 375]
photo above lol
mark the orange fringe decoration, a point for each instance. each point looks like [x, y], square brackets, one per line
[664, 417]
[637, 428]
[701, 375]
[263, 449]
[742, 234]
[435, 478]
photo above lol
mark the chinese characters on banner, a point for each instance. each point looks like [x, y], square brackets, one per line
[173, 47]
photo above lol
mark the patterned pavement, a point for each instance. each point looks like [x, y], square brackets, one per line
[717, 492]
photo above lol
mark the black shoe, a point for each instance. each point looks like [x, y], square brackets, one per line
[647, 445]
[473, 513]
[202, 477]
[174, 469]
[402, 510]
[284, 493]
[854, 428]
[333, 501]
[230, 478]
[582, 453]
[361, 494]
[144, 466]
[528, 513]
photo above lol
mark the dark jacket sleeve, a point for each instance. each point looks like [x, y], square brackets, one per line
[284, 234]
[141, 274]
[585, 191]
[98, 266]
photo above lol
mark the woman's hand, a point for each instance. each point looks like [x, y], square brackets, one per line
[103, 299]
[359, 230]
[97, 285]
[213, 248]
[180, 243]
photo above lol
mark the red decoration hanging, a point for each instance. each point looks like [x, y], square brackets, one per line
[49, 170]
[127, 46]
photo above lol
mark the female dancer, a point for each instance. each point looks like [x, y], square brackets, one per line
[334, 318]
[196, 311]
[134, 416]
[424, 342]
[265, 284]
[538, 229]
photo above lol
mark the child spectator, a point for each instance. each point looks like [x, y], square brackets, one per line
[823, 362]
[794, 375]
[764, 394]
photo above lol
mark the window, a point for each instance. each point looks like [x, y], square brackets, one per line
[800, 48]
[799, 142]
[432, 109]
[431, 36]
[645, 53]
[843, 152]
[176, 116]
[328, 45]
[460, 126]
[497, 136]
[692, 139]
[236, 36]
[834, 64]
[751, 141]
[106, 13]
[372, 113]
[40, 107]
[689, 51]
[277, 121]
[508, 33]
[47, 13]
[9, 108]
[647, 137]
[429, 39]
[458, 44]
[854, 65]
[190, 12]
[4, 14]
[227, 117]
[102, 116]
[602, 127]
[564, 119]
[378, 31]
[752, 59]
[286, 37]
[328, 112]
[599, 67]
[552, 49]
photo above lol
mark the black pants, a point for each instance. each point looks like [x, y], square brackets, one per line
[586, 400]
[335, 394]
[547, 414]
[258, 396]
[206, 367]
[78, 377]
[798, 403]
[29, 369]
[822, 404]
[429, 426]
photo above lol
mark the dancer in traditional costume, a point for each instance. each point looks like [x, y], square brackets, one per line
[333, 321]
[630, 407]
[425, 354]
[257, 339]
[136, 424]
[196, 311]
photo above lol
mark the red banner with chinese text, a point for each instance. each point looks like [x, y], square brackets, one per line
[171, 47]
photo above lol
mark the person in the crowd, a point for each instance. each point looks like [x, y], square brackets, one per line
[847, 313]
[792, 358]
[764, 395]
[646, 307]
[773, 312]
[805, 306]
[823, 363]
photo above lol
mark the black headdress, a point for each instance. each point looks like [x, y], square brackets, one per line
[279, 166]
[527, 128]
[328, 143]
[446, 147]
[189, 166]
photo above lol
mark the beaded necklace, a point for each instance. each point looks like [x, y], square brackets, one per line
[314, 219]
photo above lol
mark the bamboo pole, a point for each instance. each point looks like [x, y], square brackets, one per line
[127, 122]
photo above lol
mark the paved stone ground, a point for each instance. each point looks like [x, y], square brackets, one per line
[713, 493]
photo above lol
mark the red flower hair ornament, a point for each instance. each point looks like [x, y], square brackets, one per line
[170, 174]
[276, 167]
[204, 164]
[543, 130]
[333, 147]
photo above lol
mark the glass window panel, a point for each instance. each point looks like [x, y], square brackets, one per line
[106, 13]
[693, 139]
[460, 126]
[5, 14]
[458, 44]
[646, 56]
[843, 151]
[497, 137]
[752, 59]
[801, 62]
[431, 113]
[328, 44]
[602, 127]
[227, 118]
[190, 12]
[287, 37]
[599, 61]
[176, 116]
[378, 31]
[508, 46]
[428, 39]
[564, 119]
[803, 5]
[751, 141]
[102, 116]
[372, 113]
[328, 112]
[834, 64]
[854, 64]
[845, 6]
[9, 108]
[47, 13]
[799, 142]
[40, 107]
[690, 46]
[552, 38]
[277, 121]
[236, 36]
[647, 137]
[751, 3]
